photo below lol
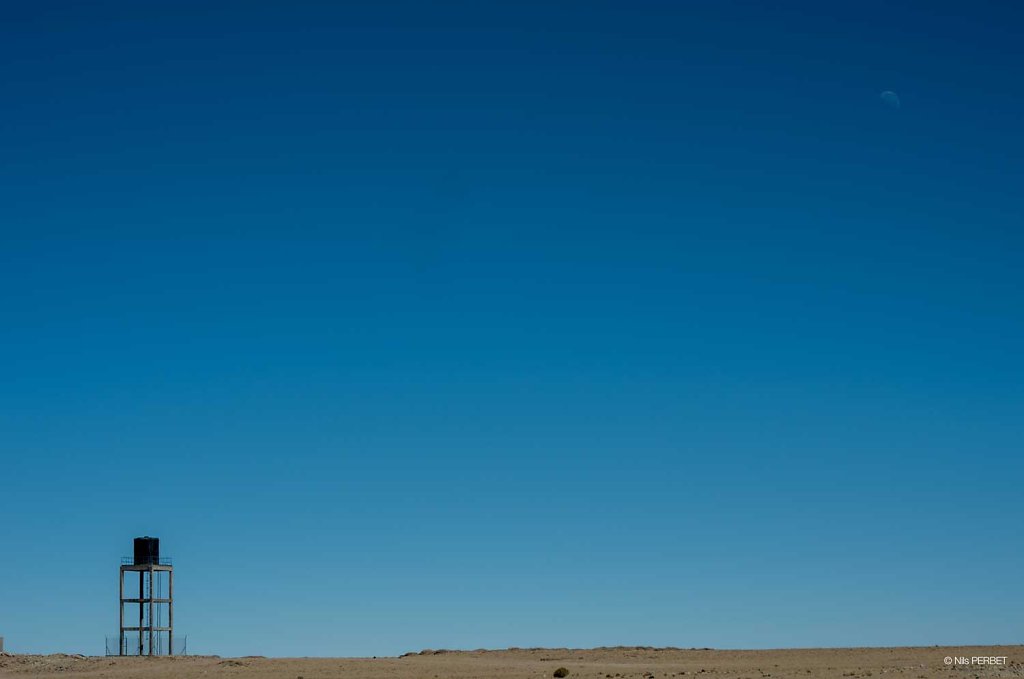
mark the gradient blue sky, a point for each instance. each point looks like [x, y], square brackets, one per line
[415, 325]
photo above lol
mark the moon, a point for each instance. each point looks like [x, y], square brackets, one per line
[891, 99]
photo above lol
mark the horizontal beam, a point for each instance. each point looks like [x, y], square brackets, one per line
[147, 567]
[146, 629]
[146, 601]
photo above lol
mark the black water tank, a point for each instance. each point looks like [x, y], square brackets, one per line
[147, 551]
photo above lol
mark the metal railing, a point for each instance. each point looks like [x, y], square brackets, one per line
[162, 561]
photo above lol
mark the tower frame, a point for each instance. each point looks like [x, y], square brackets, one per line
[146, 599]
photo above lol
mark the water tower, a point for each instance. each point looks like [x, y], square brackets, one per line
[154, 633]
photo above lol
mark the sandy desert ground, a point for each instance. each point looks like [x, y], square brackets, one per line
[601, 663]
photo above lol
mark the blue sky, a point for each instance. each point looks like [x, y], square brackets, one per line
[462, 325]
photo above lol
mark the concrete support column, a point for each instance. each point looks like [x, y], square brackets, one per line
[170, 612]
[120, 614]
[152, 623]
[142, 596]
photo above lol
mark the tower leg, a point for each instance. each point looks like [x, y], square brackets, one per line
[142, 596]
[170, 612]
[120, 605]
[151, 623]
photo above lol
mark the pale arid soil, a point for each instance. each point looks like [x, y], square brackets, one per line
[600, 663]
